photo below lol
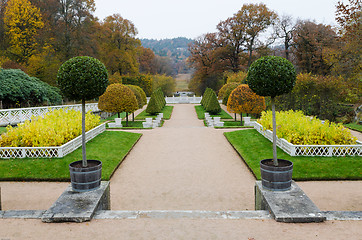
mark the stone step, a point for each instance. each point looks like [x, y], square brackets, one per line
[292, 206]
[78, 207]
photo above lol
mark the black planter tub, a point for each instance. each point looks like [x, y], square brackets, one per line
[85, 179]
[276, 178]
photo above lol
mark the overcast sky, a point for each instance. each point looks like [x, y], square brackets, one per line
[160, 19]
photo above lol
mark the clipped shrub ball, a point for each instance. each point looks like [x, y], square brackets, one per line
[140, 95]
[271, 76]
[118, 98]
[82, 78]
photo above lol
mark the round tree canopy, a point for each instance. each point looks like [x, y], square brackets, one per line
[82, 78]
[271, 76]
[118, 98]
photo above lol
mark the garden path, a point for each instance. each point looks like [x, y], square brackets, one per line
[183, 166]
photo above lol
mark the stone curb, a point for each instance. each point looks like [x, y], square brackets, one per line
[193, 214]
[175, 214]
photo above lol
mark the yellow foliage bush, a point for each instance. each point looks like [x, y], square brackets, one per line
[299, 129]
[56, 128]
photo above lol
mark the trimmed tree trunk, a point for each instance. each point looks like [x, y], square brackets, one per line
[84, 161]
[275, 159]
[241, 119]
[235, 116]
[133, 117]
[126, 119]
[119, 115]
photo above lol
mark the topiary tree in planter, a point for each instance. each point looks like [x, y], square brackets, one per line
[272, 76]
[212, 104]
[118, 98]
[140, 96]
[243, 100]
[81, 79]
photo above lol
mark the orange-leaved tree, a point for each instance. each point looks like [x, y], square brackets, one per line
[244, 100]
[118, 98]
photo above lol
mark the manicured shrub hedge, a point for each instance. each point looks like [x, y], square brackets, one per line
[118, 98]
[56, 128]
[225, 91]
[156, 103]
[299, 129]
[210, 103]
[19, 89]
[140, 95]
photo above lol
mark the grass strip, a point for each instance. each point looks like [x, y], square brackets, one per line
[109, 147]
[2, 130]
[167, 112]
[200, 111]
[253, 148]
[354, 126]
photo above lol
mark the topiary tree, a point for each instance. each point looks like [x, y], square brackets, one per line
[243, 100]
[212, 104]
[118, 98]
[153, 106]
[272, 76]
[82, 78]
[206, 97]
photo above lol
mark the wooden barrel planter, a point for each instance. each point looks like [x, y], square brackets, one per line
[276, 178]
[85, 179]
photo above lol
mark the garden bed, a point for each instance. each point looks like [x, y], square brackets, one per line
[310, 150]
[50, 152]
[102, 148]
[253, 148]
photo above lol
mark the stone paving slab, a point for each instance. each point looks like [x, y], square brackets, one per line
[78, 207]
[292, 206]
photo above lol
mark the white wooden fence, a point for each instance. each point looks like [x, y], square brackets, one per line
[17, 115]
[50, 152]
[309, 150]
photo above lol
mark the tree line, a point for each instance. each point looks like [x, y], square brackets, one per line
[38, 36]
[327, 59]
[256, 31]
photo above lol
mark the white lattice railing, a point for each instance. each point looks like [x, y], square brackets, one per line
[50, 152]
[310, 150]
[183, 99]
[17, 115]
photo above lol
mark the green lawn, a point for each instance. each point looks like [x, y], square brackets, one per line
[200, 111]
[109, 147]
[233, 124]
[2, 130]
[354, 126]
[167, 112]
[253, 147]
[132, 125]
[111, 118]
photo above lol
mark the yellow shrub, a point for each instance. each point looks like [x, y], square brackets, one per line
[56, 128]
[299, 129]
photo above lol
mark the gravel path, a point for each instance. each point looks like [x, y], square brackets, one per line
[183, 166]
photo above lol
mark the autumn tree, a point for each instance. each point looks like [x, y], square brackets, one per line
[147, 61]
[255, 19]
[310, 42]
[118, 98]
[283, 29]
[243, 100]
[22, 21]
[140, 96]
[346, 59]
[119, 45]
